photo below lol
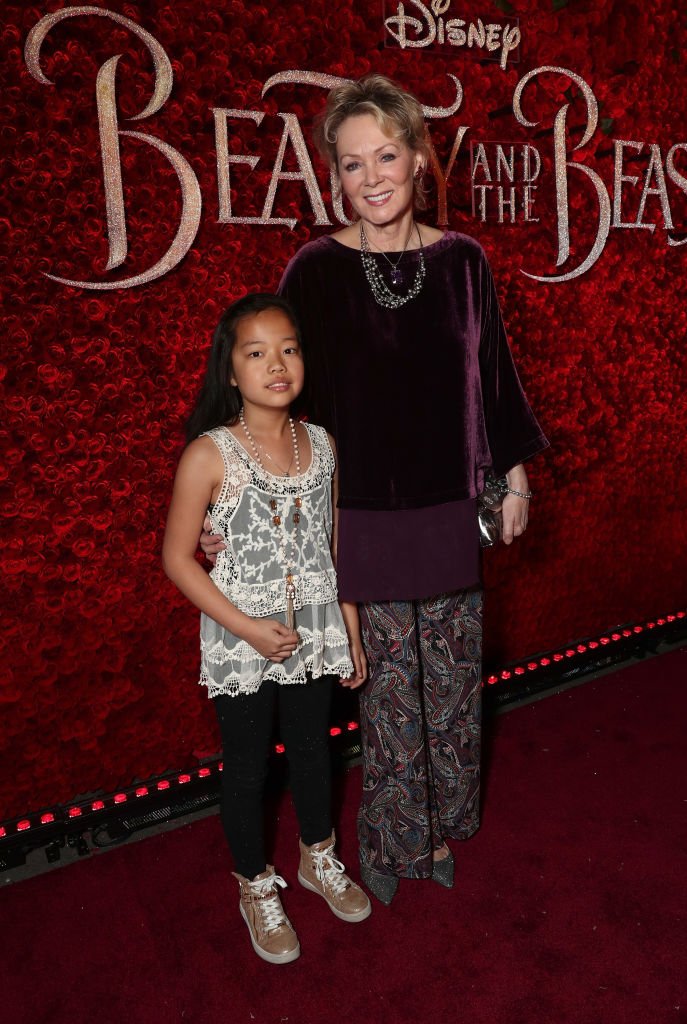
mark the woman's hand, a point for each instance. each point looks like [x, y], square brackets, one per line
[271, 639]
[514, 512]
[211, 543]
[515, 509]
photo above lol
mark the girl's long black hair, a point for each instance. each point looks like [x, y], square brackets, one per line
[218, 402]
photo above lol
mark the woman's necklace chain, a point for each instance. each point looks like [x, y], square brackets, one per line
[396, 273]
[380, 290]
[288, 557]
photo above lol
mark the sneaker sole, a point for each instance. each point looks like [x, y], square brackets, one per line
[358, 915]
[271, 958]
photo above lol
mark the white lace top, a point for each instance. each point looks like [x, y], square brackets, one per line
[251, 572]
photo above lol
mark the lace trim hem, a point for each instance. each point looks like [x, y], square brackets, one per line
[233, 687]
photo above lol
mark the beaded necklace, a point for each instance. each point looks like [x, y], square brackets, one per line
[380, 290]
[287, 543]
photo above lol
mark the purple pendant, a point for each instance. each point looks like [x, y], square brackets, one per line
[396, 276]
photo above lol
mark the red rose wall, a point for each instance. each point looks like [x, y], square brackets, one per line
[99, 653]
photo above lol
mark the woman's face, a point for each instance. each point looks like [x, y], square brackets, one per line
[376, 170]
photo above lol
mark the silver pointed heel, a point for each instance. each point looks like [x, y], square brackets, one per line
[442, 871]
[382, 886]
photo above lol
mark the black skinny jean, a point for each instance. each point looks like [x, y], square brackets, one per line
[246, 726]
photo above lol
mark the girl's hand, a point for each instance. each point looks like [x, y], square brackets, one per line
[271, 639]
[351, 619]
[359, 666]
[211, 543]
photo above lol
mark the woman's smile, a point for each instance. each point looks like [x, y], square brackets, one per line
[380, 198]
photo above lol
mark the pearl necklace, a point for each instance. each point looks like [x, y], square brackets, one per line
[287, 558]
[380, 290]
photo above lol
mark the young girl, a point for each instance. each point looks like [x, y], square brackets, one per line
[271, 627]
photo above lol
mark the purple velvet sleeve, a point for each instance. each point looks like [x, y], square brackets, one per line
[513, 433]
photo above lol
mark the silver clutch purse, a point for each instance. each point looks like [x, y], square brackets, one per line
[489, 502]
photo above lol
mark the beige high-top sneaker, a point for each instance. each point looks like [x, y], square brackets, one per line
[270, 930]
[320, 872]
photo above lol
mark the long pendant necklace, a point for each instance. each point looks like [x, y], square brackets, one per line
[396, 274]
[288, 557]
[382, 293]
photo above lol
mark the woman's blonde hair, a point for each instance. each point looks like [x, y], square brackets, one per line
[396, 111]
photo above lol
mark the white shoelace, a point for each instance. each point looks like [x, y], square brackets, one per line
[329, 870]
[271, 909]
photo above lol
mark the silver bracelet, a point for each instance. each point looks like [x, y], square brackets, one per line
[519, 494]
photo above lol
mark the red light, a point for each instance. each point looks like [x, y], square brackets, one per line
[681, 615]
[593, 644]
[545, 661]
[23, 825]
[506, 674]
[558, 656]
[3, 832]
[203, 773]
[661, 622]
[615, 636]
[120, 798]
[570, 653]
[671, 618]
[639, 629]
[280, 748]
[581, 648]
[335, 731]
[183, 779]
[97, 805]
[519, 670]
[352, 726]
[163, 784]
[650, 625]
[532, 665]
[142, 791]
[47, 818]
[220, 766]
[74, 812]
[492, 679]
[604, 640]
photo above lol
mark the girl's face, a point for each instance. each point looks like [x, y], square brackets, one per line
[376, 170]
[267, 365]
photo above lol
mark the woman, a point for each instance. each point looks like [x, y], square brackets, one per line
[409, 368]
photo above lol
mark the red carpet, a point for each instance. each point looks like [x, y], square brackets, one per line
[570, 904]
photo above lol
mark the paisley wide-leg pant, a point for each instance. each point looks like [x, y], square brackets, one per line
[420, 729]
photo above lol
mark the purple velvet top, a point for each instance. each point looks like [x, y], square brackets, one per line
[421, 400]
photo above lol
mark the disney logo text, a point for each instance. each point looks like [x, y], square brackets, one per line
[435, 29]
